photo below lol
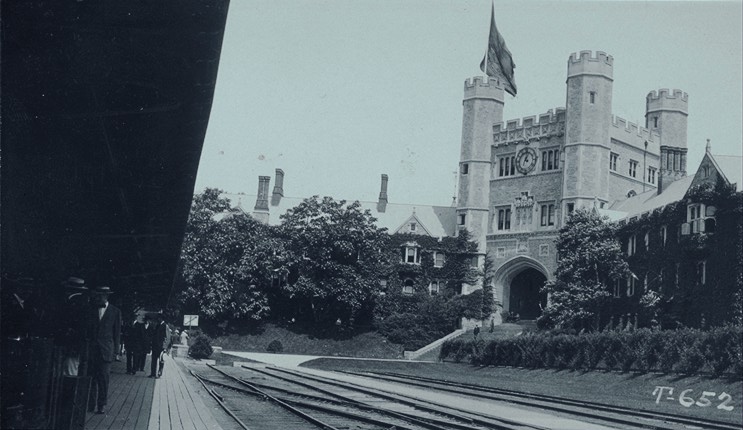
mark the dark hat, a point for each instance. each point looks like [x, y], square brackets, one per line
[74, 283]
[102, 290]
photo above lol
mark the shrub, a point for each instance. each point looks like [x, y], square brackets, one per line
[692, 359]
[275, 346]
[200, 348]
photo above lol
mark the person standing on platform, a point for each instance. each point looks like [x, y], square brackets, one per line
[72, 325]
[136, 347]
[160, 342]
[105, 332]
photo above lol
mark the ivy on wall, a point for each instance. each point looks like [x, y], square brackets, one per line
[674, 269]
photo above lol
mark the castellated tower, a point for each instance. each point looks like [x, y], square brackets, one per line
[483, 107]
[587, 124]
[666, 112]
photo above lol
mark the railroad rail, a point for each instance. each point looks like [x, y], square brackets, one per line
[337, 407]
[599, 411]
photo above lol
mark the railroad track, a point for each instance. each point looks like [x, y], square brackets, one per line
[598, 411]
[294, 401]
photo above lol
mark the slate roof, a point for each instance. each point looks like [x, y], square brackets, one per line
[436, 220]
[650, 200]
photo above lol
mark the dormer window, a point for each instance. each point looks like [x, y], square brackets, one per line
[700, 218]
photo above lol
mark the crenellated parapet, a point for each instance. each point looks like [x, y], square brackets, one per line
[585, 63]
[667, 100]
[483, 88]
[632, 132]
[530, 128]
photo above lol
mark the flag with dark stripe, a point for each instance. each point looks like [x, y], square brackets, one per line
[498, 62]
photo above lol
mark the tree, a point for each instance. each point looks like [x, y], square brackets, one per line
[224, 260]
[336, 254]
[589, 260]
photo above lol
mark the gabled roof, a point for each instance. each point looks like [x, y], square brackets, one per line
[436, 220]
[729, 166]
[649, 200]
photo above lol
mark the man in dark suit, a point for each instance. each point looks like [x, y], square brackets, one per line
[135, 346]
[104, 344]
[160, 341]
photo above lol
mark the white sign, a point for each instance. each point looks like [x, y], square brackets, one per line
[191, 320]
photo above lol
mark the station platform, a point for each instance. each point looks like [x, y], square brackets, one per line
[171, 402]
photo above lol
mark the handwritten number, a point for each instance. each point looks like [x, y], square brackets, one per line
[684, 400]
[703, 400]
[726, 399]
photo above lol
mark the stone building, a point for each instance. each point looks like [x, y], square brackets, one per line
[519, 179]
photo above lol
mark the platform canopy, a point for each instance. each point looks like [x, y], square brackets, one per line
[105, 105]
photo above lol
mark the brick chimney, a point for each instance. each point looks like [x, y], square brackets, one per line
[278, 189]
[260, 211]
[382, 203]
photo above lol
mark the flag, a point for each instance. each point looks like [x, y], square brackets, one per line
[497, 62]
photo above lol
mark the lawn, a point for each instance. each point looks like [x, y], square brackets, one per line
[630, 390]
[367, 344]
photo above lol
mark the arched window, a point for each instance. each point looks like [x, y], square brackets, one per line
[407, 288]
[631, 193]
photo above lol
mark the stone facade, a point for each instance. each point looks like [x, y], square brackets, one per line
[518, 179]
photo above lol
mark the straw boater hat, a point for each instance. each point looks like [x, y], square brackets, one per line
[74, 283]
[102, 290]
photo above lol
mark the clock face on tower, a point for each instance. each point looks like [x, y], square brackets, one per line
[526, 159]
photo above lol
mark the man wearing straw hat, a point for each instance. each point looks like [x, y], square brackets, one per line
[105, 340]
[73, 324]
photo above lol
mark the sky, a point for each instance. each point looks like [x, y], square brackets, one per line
[338, 92]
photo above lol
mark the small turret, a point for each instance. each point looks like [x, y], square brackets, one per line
[587, 129]
[666, 113]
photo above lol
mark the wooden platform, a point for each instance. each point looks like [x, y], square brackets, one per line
[171, 402]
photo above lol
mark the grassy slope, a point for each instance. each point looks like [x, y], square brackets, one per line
[369, 344]
[622, 389]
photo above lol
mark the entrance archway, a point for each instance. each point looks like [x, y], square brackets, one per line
[526, 300]
[517, 283]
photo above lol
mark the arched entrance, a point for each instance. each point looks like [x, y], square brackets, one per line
[517, 283]
[525, 297]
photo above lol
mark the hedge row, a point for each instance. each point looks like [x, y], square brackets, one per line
[688, 351]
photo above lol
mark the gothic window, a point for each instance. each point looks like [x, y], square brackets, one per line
[617, 289]
[438, 259]
[651, 175]
[551, 159]
[504, 219]
[705, 171]
[507, 165]
[613, 158]
[631, 283]
[411, 254]
[435, 287]
[633, 168]
[647, 241]
[632, 245]
[702, 272]
[412, 226]
[694, 217]
[663, 234]
[548, 215]
[407, 288]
